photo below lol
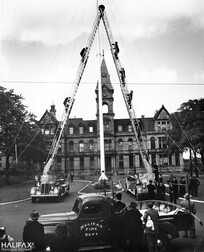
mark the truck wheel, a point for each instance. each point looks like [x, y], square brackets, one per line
[163, 242]
[33, 200]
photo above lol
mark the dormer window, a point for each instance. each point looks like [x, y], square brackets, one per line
[104, 74]
[81, 130]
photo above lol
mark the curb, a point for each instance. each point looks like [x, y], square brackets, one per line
[14, 202]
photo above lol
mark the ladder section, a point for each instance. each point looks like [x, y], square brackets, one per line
[126, 94]
[69, 101]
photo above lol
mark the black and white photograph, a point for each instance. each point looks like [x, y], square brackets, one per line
[102, 125]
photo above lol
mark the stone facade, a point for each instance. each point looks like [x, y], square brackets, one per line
[79, 151]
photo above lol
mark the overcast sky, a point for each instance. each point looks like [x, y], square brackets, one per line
[161, 48]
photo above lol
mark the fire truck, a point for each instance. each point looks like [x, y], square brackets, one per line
[91, 222]
[50, 186]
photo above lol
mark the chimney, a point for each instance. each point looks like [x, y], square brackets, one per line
[143, 116]
[53, 110]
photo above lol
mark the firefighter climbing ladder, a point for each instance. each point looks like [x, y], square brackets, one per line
[125, 92]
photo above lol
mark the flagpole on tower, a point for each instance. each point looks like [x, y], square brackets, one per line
[101, 130]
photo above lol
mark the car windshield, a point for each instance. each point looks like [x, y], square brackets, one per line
[77, 206]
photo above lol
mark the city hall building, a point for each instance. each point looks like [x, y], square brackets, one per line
[80, 147]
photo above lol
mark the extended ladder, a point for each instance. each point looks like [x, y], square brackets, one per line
[127, 96]
[125, 92]
[70, 100]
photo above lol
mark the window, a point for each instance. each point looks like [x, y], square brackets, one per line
[52, 130]
[81, 163]
[92, 208]
[92, 163]
[91, 145]
[81, 146]
[130, 141]
[152, 142]
[90, 129]
[131, 161]
[120, 128]
[71, 130]
[121, 165]
[106, 126]
[129, 128]
[120, 142]
[81, 130]
[71, 163]
[47, 130]
[71, 146]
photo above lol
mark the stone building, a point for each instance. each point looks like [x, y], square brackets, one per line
[79, 147]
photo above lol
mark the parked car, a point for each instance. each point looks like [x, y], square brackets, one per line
[50, 186]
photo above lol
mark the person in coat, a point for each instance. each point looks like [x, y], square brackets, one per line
[152, 235]
[34, 232]
[63, 241]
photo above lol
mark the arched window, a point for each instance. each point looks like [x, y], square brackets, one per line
[105, 108]
[152, 142]
[91, 145]
[120, 142]
[130, 143]
[71, 146]
[81, 146]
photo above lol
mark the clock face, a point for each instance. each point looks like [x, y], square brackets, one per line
[105, 92]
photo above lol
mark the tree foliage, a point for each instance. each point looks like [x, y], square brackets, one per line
[18, 128]
[188, 125]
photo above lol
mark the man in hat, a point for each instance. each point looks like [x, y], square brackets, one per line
[118, 205]
[34, 232]
[190, 206]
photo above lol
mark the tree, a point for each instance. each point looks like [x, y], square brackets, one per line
[16, 126]
[188, 125]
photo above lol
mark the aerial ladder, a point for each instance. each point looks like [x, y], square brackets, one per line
[69, 101]
[126, 95]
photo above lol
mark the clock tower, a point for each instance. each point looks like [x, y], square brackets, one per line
[107, 101]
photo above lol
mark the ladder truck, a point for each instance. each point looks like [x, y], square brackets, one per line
[101, 14]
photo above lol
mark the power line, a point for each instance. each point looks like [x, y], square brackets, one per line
[117, 83]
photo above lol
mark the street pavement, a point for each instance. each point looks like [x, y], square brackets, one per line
[19, 188]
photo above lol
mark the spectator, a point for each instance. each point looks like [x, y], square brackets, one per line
[189, 205]
[72, 176]
[34, 232]
[190, 185]
[63, 242]
[156, 171]
[151, 190]
[196, 184]
[118, 222]
[161, 190]
[118, 205]
[171, 192]
[4, 238]
[151, 234]
[133, 226]
[182, 187]
[175, 189]
[160, 179]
